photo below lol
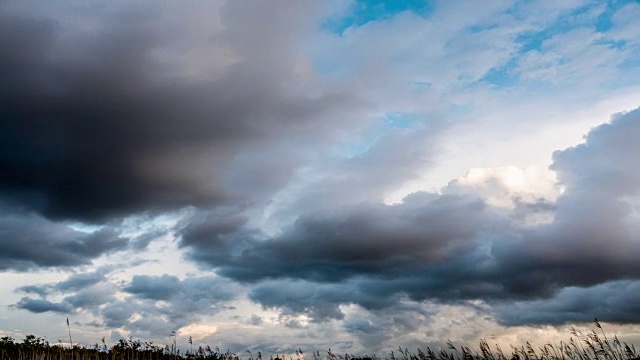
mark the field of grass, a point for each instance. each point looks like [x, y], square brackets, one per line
[594, 345]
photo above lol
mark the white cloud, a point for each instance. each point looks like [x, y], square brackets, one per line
[504, 185]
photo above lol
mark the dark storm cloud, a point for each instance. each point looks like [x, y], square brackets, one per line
[373, 239]
[29, 241]
[99, 126]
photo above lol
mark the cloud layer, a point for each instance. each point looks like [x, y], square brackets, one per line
[319, 169]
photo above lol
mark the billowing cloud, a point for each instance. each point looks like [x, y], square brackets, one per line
[450, 247]
[593, 236]
[371, 239]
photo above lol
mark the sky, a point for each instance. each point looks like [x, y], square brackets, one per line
[345, 174]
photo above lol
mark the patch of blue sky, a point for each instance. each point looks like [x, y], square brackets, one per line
[507, 75]
[360, 145]
[631, 65]
[534, 40]
[82, 227]
[603, 22]
[615, 44]
[356, 149]
[402, 120]
[503, 76]
[388, 122]
[364, 11]
[421, 85]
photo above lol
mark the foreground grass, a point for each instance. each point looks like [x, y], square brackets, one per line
[581, 346]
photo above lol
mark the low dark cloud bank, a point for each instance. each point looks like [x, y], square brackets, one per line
[369, 239]
[451, 248]
[615, 301]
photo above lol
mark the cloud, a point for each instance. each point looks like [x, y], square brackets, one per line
[116, 314]
[81, 280]
[612, 302]
[592, 237]
[370, 239]
[155, 142]
[92, 297]
[449, 248]
[40, 306]
[255, 320]
[146, 306]
[154, 288]
[30, 241]
[183, 303]
[74, 282]
[283, 151]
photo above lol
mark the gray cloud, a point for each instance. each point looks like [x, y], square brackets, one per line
[184, 300]
[368, 239]
[41, 290]
[74, 282]
[81, 291]
[617, 302]
[117, 314]
[81, 280]
[255, 320]
[40, 306]
[29, 241]
[154, 288]
[92, 297]
[155, 142]
[165, 287]
[450, 248]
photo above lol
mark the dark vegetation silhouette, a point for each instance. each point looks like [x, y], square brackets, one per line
[594, 345]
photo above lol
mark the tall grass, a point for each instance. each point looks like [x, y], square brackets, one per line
[594, 345]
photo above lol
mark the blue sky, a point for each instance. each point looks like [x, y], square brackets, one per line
[353, 175]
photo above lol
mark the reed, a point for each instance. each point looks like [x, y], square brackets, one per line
[594, 345]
